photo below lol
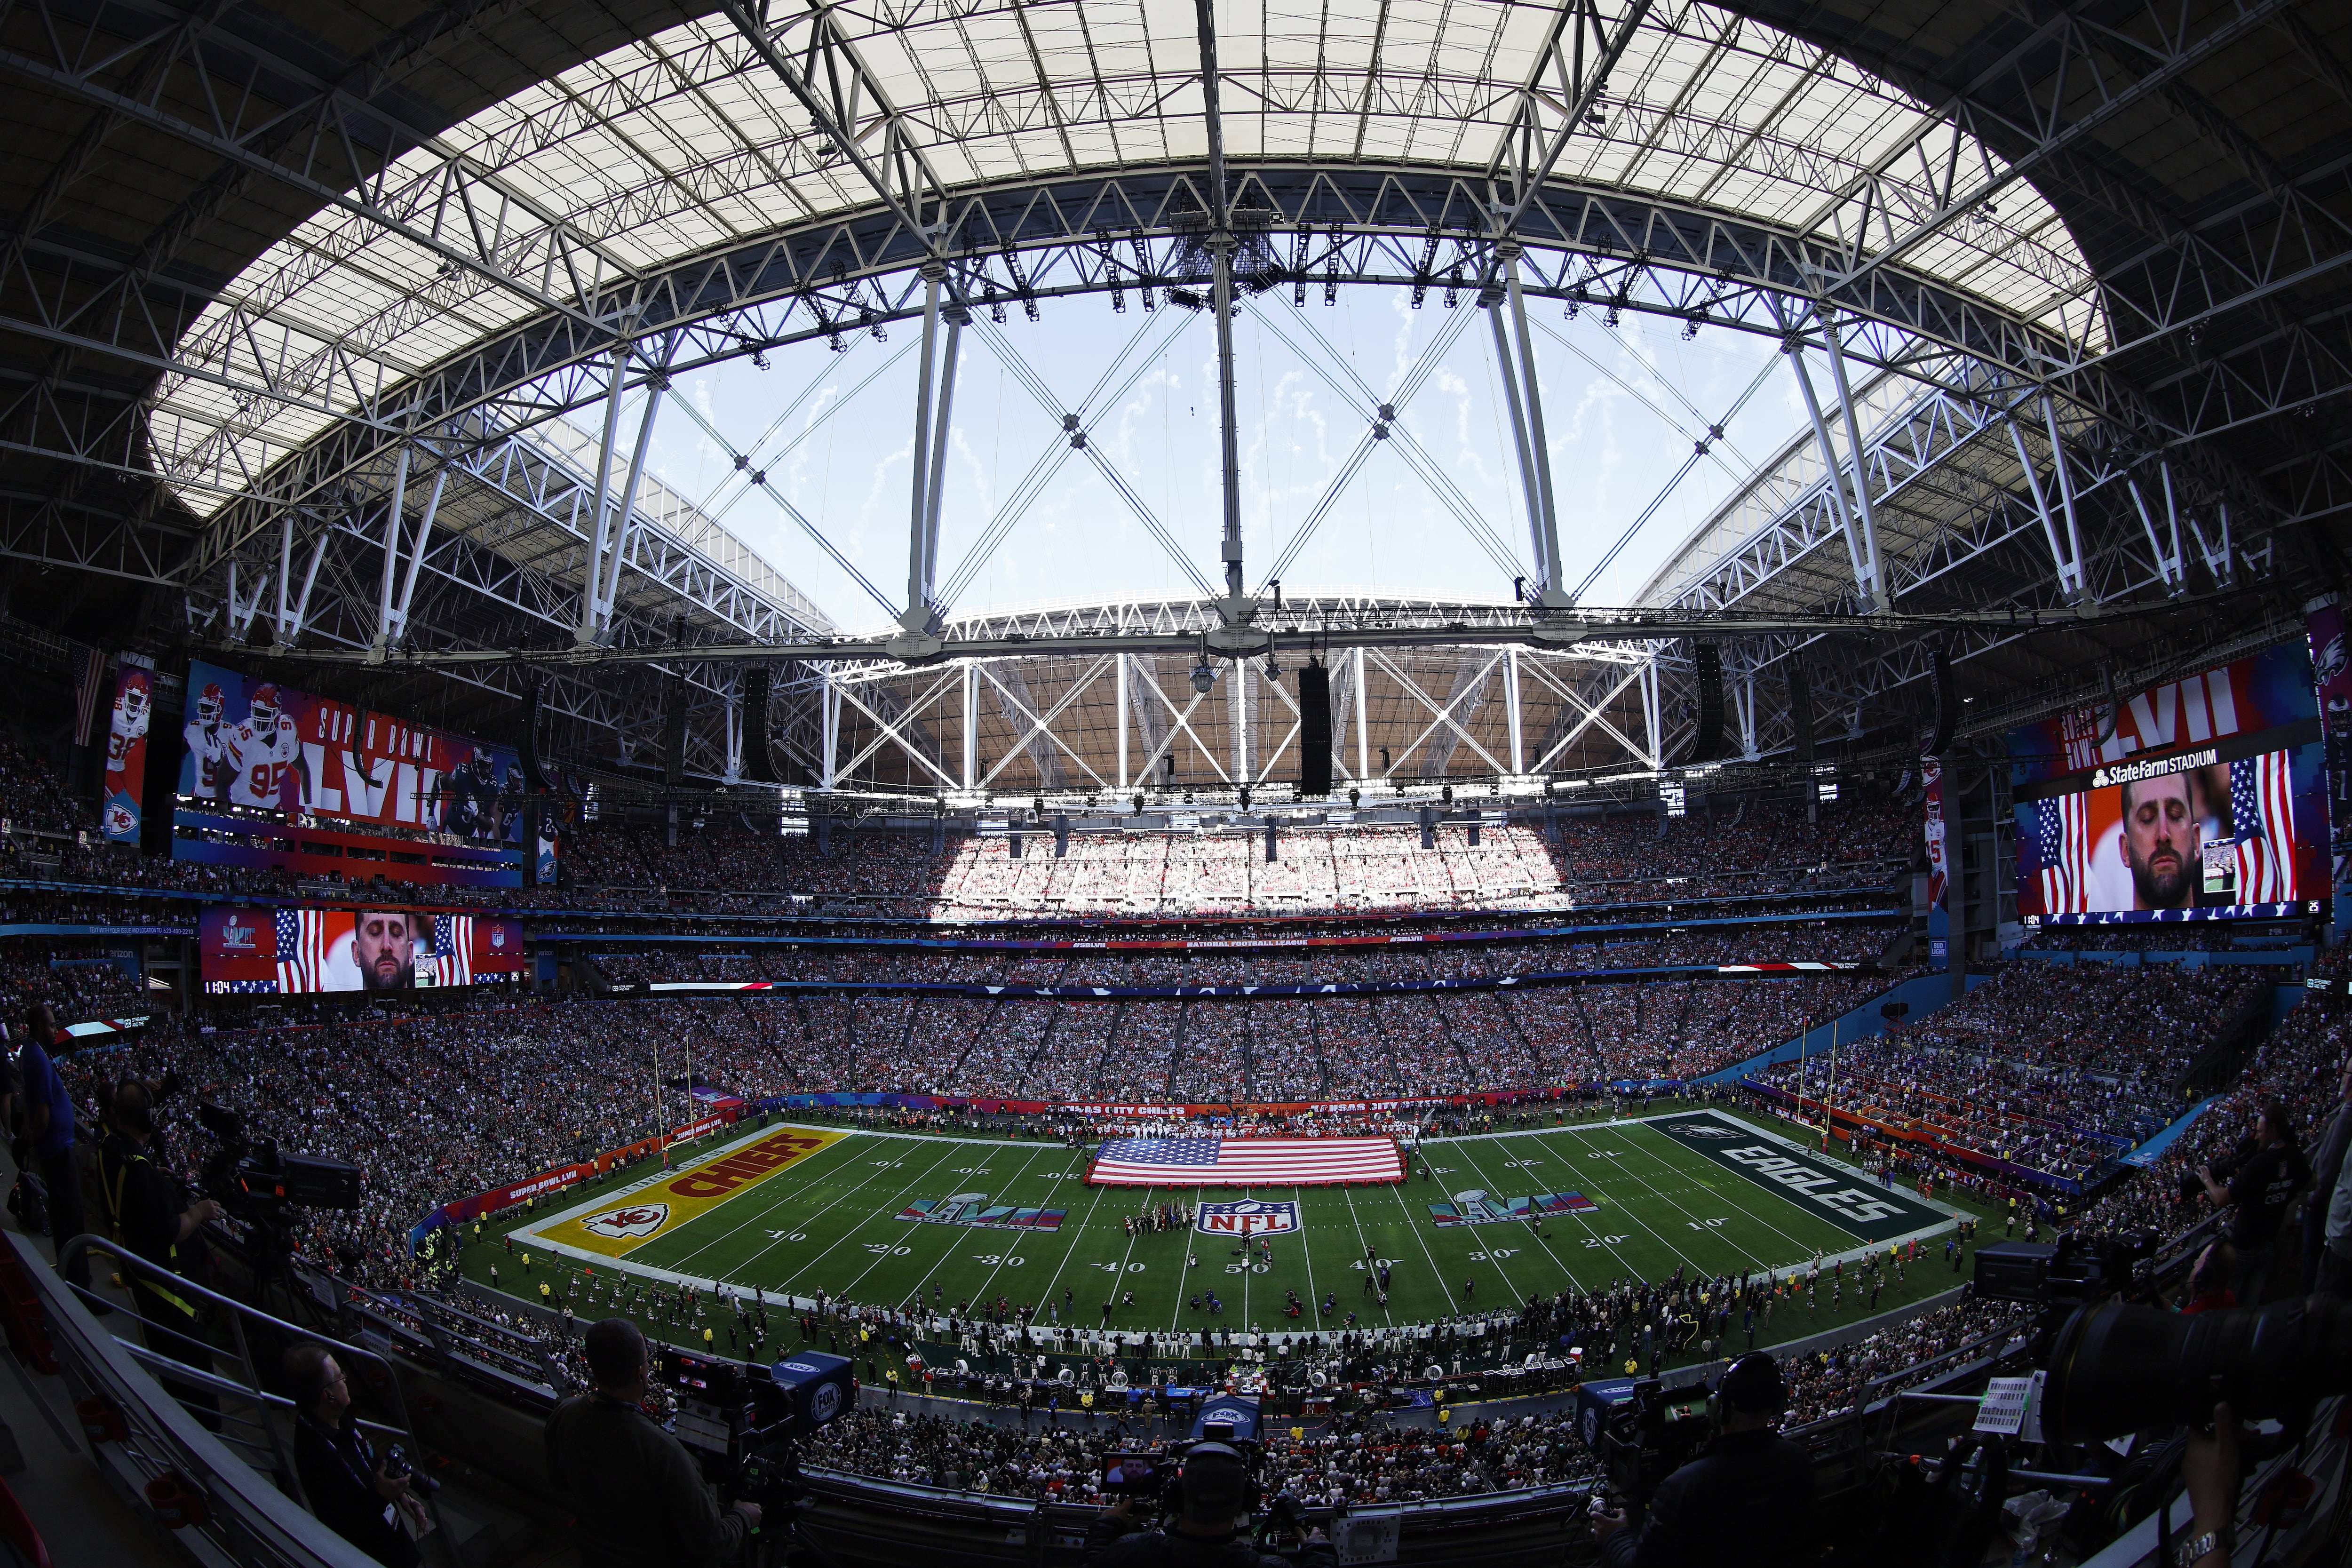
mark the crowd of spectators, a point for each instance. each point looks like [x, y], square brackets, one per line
[2059, 1068]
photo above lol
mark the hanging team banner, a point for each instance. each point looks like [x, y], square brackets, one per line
[1939, 869]
[2331, 668]
[2201, 798]
[256, 743]
[126, 753]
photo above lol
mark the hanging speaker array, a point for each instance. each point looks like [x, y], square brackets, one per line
[1800, 716]
[1314, 729]
[758, 766]
[1946, 702]
[1708, 744]
[674, 733]
[534, 775]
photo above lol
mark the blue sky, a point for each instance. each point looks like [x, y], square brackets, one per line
[1615, 440]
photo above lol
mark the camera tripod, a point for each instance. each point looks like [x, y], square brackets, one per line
[782, 1539]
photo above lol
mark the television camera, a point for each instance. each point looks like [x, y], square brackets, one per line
[251, 1179]
[1154, 1477]
[744, 1423]
[1638, 1437]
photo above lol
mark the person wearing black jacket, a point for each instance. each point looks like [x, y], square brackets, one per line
[1743, 1500]
[2269, 1170]
[346, 1483]
[153, 1215]
[639, 1499]
[1212, 1486]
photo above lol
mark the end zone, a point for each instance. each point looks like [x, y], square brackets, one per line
[617, 1224]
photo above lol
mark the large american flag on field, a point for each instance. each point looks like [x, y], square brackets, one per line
[1212, 1162]
[2262, 809]
[2063, 836]
[301, 950]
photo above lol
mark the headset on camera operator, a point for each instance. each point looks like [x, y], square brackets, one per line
[153, 1218]
[637, 1492]
[1212, 1495]
[1741, 1500]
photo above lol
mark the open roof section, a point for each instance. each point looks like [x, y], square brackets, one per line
[687, 145]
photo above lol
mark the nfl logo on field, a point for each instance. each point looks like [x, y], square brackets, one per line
[1249, 1218]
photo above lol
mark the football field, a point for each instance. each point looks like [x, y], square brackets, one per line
[888, 1218]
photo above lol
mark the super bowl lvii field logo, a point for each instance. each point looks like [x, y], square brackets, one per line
[1474, 1207]
[1250, 1216]
[974, 1209]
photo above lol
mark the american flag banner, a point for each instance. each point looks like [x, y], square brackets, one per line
[2262, 809]
[1213, 1161]
[2063, 836]
[301, 950]
[89, 669]
[453, 949]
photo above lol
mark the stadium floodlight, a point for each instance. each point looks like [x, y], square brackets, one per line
[1203, 677]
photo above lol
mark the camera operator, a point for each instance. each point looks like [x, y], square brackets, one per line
[351, 1490]
[2265, 1174]
[1213, 1488]
[153, 1218]
[637, 1495]
[1741, 1500]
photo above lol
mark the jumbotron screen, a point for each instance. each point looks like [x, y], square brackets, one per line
[284, 952]
[2199, 799]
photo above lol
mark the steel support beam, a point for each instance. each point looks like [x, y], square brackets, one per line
[625, 516]
[399, 622]
[391, 537]
[1545, 522]
[1864, 589]
[598, 522]
[1873, 564]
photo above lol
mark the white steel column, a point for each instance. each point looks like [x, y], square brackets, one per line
[593, 579]
[285, 572]
[1363, 741]
[1511, 708]
[829, 712]
[1237, 705]
[609, 594]
[1836, 472]
[416, 555]
[1548, 540]
[391, 536]
[1502, 366]
[917, 615]
[1651, 737]
[1118, 670]
[2066, 585]
[971, 721]
[1864, 507]
[2065, 489]
[1221, 244]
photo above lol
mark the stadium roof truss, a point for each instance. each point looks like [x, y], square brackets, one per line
[366, 437]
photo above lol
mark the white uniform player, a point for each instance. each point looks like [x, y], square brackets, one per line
[208, 739]
[260, 750]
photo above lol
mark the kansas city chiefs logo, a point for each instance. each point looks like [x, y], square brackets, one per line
[637, 1220]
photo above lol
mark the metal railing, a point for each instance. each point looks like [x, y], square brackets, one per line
[153, 1452]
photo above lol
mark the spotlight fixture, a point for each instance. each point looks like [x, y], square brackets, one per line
[1355, 799]
[1446, 795]
[1203, 677]
[1244, 797]
[1138, 805]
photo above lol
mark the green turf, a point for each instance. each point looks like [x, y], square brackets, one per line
[830, 1222]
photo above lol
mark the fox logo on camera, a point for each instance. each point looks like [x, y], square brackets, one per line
[818, 1388]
